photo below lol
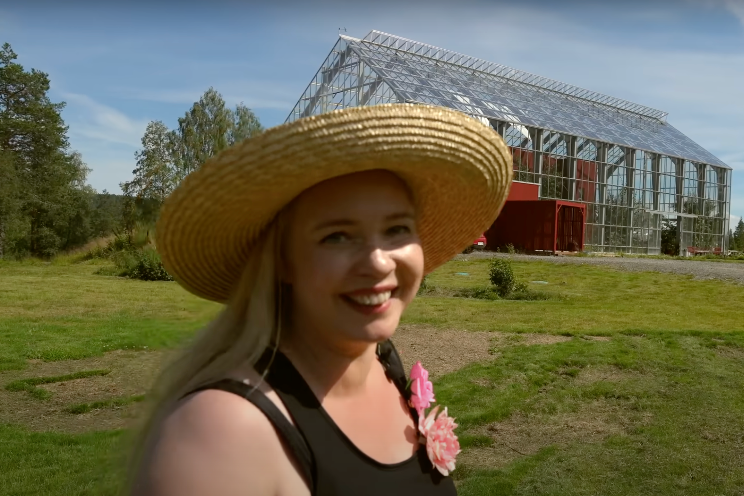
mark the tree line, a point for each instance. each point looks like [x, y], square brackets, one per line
[46, 204]
[167, 156]
[736, 237]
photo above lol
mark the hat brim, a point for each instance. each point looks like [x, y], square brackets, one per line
[458, 169]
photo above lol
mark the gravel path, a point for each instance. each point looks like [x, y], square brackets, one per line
[699, 269]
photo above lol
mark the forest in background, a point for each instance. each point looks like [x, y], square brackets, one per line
[47, 206]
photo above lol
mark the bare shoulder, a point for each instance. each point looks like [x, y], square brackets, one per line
[215, 442]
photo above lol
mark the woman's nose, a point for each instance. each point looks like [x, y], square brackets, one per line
[379, 261]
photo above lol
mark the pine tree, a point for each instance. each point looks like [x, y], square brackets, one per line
[737, 239]
[45, 187]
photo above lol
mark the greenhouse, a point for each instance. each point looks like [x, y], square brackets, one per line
[647, 187]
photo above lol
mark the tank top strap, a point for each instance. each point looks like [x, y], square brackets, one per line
[287, 432]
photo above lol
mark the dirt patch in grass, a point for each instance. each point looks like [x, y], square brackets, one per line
[501, 339]
[132, 373]
[525, 435]
[602, 373]
[441, 351]
[730, 352]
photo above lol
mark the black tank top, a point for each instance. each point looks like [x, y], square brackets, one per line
[331, 463]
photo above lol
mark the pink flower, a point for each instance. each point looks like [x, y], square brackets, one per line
[422, 390]
[441, 442]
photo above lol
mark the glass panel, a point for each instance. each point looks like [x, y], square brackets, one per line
[584, 149]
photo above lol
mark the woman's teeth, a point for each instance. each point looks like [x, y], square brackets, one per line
[372, 300]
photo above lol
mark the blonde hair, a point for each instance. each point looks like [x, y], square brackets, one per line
[246, 327]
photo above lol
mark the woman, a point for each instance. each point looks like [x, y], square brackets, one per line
[316, 234]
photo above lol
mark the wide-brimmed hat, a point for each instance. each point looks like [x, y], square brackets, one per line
[458, 169]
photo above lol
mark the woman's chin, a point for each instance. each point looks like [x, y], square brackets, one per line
[379, 332]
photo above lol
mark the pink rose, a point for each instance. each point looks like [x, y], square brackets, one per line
[422, 390]
[441, 442]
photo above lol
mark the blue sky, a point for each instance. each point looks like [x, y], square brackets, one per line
[118, 67]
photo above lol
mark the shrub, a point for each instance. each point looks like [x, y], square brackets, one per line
[423, 287]
[144, 264]
[481, 293]
[530, 295]
[501, 275]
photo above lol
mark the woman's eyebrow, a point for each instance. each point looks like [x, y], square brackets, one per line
[401, 216]
[334, 223]
[341, 222]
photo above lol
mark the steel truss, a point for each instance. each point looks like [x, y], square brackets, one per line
[635, 171]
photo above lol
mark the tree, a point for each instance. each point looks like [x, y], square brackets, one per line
[208, 128]
[107, 214]
[246, 124]
[669, 238]
[46, 188]
[168, 156]
[9, 198]
[737, 239]
[155, 175]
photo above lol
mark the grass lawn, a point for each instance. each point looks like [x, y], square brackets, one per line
[627, 383]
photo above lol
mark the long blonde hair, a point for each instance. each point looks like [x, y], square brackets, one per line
[250, 322]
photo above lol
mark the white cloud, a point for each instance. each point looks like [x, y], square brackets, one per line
[96, 121]
[255, 94]
[736, 7]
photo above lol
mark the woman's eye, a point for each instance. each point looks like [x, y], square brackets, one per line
[337, 237]
[397, 230]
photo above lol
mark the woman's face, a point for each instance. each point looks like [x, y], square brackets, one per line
[353, 258]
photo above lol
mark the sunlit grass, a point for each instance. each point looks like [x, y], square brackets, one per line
[597, 301]
[671, 381]
[61, 312]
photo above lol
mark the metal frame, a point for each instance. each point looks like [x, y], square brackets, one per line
[578, 145]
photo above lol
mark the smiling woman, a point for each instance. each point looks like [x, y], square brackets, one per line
[316, 235]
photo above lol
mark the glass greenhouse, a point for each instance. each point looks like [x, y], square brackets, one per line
[647, 187]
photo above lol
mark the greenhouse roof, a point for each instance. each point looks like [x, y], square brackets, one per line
[419, 73]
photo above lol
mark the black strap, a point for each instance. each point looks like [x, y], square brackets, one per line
[294, 439]
[291, 436]
[394, 370]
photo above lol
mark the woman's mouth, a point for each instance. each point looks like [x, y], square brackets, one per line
[369, 303]
[371, 299]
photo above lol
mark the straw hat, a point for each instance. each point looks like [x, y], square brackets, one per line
[458, 169]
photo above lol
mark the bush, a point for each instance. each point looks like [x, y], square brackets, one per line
[144, 264]
[501, 275]
[481, 293]
[526, 294]
[423, 287]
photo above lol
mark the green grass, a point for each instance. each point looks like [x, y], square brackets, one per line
[693, 400]
[52, 463]
[29, 385]
[110, 403]
[670, 380]
[596, 300]
[64, 312]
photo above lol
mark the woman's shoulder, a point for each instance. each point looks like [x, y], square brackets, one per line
[216, 442]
